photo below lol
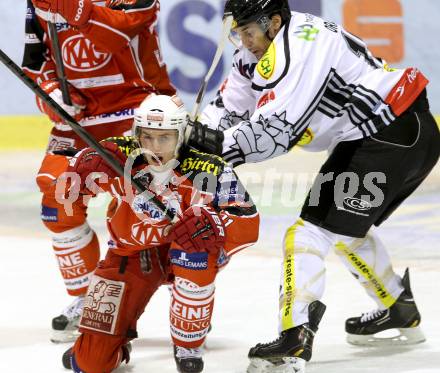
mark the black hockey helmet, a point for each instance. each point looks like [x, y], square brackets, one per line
[246, 11]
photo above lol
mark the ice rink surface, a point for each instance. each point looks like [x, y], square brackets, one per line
[247, 290]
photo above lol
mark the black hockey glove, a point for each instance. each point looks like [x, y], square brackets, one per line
[204, 138]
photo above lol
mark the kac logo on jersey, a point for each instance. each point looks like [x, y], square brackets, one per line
[194, 261]
[79, 54]
[266, 66]
[144, 232]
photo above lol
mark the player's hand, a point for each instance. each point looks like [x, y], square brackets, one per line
[88, 161]
[75, 12]
[52, 88]
[200, 229]
[203, 138]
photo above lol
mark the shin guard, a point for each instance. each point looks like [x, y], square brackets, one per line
[77, 252]
[190, 314]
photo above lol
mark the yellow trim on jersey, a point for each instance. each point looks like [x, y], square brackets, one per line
[29, 132]
[266, 65]
[289, 288]
[368, 273]
[306, 138]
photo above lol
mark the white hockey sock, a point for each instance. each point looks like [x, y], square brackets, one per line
[367, 259]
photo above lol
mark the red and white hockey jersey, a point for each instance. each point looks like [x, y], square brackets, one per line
[316, 85]
[114, 60]
[135, 223]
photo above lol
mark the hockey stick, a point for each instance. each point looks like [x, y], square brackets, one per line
[81, 132]
[59, 63]
[227, 24]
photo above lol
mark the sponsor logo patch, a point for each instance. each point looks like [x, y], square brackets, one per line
[222, 259]
[101, 305]
[357, 204]
[143, 205]
[49, 214]
[196, 164]
[194, 261]
[266, 98]
[307, 32]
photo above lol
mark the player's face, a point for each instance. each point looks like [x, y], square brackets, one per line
[162, 143]
[253, 38]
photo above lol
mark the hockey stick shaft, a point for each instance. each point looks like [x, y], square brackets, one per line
[59, 63]
[227, 24]
[81, 132]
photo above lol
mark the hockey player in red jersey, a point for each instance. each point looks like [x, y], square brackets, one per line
[216, 219]
[111, 59]
[297, 79]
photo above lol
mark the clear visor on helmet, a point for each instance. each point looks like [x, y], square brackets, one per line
[249, 33]
[157, 141]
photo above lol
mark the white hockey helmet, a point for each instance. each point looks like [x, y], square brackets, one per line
[164, 113]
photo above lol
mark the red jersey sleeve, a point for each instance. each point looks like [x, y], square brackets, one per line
[112, 29]
[238, 212]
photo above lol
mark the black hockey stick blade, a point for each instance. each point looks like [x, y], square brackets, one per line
[81, 132]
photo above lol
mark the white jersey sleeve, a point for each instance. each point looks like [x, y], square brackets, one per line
[316, 85]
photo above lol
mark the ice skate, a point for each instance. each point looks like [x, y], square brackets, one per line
[397, 325]
[65, 326]
[188, 360]
[288, 353]
[67, 356]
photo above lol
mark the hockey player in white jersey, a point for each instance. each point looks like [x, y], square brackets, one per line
[299, 80]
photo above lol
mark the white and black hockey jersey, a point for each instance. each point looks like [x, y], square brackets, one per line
[316, 85]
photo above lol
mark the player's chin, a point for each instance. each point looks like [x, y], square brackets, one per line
[257, 54]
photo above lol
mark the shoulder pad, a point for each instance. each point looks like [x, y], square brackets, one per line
[194, 162]
[129, 4]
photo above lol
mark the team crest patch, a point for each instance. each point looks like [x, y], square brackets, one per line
[266, 65]
[101, 305]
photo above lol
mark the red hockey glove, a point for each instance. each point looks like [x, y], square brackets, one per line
[88, 160]
[199, 229]
[52, 88]
[75, 12]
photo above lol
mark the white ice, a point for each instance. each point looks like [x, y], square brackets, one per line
[247, 290]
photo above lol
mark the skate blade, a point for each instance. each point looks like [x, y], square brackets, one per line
[289, 365]
[405, 336]
[64, 336]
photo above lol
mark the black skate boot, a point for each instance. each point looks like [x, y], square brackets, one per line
[66, 359]
[402, 316]
[288, 353]
[67, 356]
[188, 360]
[65, 326]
